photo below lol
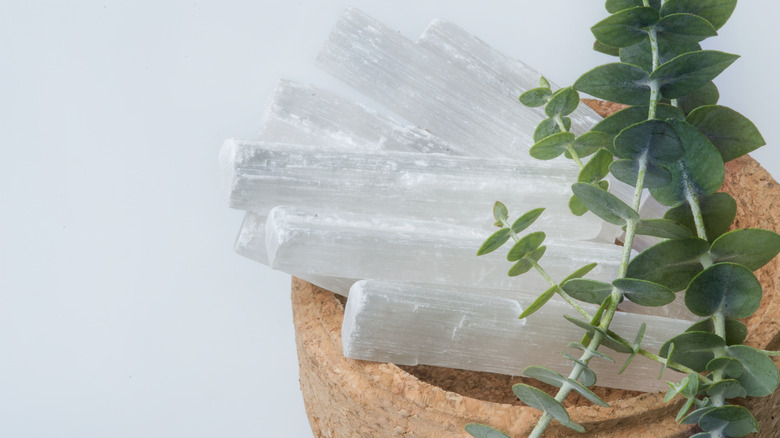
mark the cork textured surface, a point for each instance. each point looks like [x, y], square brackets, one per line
[351, 398]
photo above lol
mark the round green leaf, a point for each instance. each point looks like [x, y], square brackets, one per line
[627, 171]
[734, 421]
[759, 373]
[663, 228]
[526, 263]
[618, 5]
[536, 97]
[552, 146]
[605, 49]
[577, 207]
[687, 27]
[494, 241]
[589, 291]
[693, 418]
[669, 47]
[482, 431]
[587, 376]
[563, 102]
[693, 349]
[596, 168]
[590, 142]
[525, 246]
[728, 388]
[701, 167]
[671, 263]
[622, 119]
[526, 220]
[707, 94]
[736, 332]
[656, 138]
[751, 247]
[718, 209]
[604, 204]
[724, 287]
[539, 399]
[729, 131]
[625, 28]
[548, 127]
[690, 71]
[728, 365]
[500, 211]
[616, 82]
[716, 12]
[644, 293]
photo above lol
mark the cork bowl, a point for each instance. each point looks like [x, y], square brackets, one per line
[351, 398]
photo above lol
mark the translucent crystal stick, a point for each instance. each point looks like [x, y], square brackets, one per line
[491, 68]
[426, 89]
[305, 114]
[451, 327]
[258, 176]
[336, 243]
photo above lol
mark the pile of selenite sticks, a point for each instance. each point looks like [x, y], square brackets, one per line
[392, 216]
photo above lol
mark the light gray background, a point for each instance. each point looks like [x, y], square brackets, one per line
[123, 311]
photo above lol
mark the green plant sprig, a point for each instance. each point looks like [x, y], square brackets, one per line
[673, 140]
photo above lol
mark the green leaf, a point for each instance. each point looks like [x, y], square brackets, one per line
[525, 246]
[736, 332]
[724, 287]
[609, 339]
[618, 5]
[581, 272]
[604, 204]
[589, 291]
[605, 49]
[751, 247]
[587, 376]
[627, 171]
[707, 94]
[526, 263]
[536, 97]
[576, 206]
[622, 119]
[625, 28]
[539, 399]
[552, 146]
[759, 373]
[482, 431]
[544, 82]
[548, 127]
[494, 241]
[644, 293]
[656, 138]
[616, 82]
[563, 102]
[690, 71]
[716, 12]
[728, 365]
[671, 263]
[637, 345]
[596, 168]
[693, 349]
[582, 347]
[728, 388]
[686, 27]
[718, 209]
[694, 416]
[701, 167]
[663, 228]
[732, 420]
[539, 302]
[589, 143]
[729, 131]
[526, 220]
[669, 47]
[500, 212]
[551, 377]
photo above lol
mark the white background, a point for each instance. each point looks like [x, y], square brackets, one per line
[123, 311]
